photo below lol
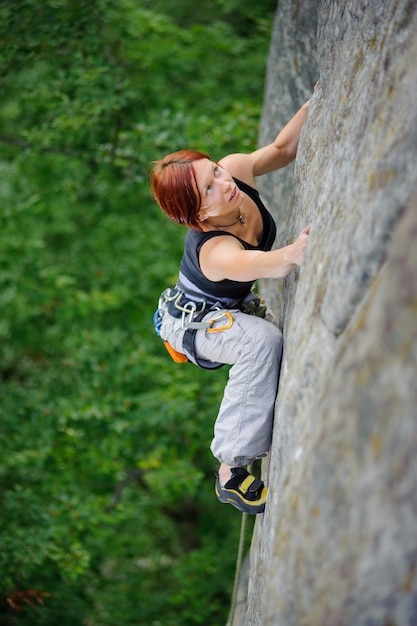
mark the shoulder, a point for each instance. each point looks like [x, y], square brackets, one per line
[218, 255]
[240, 166]
[207, 240]
[219, 243]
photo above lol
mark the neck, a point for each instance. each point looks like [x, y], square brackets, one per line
[240, 219]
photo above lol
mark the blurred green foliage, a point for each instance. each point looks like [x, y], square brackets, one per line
[108, 515]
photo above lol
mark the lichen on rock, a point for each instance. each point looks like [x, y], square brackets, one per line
[337, 544]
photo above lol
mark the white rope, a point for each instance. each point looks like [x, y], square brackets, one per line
[238, 564]
[238, 569]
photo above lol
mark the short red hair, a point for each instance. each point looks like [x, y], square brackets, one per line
[174, 186]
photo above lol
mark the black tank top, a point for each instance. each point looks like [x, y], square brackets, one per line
[192, 279]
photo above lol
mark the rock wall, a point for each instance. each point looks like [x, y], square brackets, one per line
[337, 544]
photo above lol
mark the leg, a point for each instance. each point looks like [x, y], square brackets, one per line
[243, 428]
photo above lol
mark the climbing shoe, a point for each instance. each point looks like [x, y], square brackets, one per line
[244, 491]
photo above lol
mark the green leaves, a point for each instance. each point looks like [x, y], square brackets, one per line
[106, 482]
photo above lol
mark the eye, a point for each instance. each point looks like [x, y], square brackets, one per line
[216, 172]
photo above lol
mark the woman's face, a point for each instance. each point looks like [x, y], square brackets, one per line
[219, 192]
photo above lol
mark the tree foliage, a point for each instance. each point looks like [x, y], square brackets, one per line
[107, 508]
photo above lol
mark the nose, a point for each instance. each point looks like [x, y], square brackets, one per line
[226, 182]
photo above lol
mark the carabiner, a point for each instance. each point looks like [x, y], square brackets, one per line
[229, 324]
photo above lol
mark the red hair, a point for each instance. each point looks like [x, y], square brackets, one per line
[174, 186]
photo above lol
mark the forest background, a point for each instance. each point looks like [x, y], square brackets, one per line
[108, 514]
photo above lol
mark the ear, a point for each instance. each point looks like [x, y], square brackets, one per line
[202, 215]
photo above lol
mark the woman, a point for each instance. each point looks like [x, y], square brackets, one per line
[227, 248]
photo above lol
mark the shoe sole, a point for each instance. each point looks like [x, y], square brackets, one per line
[230, 497]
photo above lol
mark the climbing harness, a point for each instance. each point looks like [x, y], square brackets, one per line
[192, 311]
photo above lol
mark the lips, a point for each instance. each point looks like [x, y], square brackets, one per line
[233, 193]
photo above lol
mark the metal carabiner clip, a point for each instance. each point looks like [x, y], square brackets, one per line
[228, 324]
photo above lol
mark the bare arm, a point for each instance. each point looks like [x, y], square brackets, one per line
[275, 155]
[225, 257]
[283, 149]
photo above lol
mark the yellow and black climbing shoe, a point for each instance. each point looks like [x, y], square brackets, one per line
[244, 491]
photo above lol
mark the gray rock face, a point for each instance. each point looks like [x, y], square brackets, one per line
[337, 544]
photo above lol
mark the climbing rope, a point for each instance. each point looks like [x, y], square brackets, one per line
[238, 569]
[238, 564]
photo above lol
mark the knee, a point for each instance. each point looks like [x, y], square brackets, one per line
[269, 342]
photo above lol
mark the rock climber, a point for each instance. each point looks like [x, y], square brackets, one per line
[212, 315]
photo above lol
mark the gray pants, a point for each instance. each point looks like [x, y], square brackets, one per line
[253, 346]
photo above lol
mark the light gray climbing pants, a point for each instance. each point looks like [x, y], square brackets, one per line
[253, 346]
